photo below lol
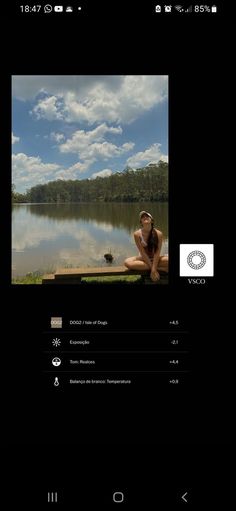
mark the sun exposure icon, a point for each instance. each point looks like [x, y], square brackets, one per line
[56, 342]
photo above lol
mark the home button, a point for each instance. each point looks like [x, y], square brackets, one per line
[118, 497]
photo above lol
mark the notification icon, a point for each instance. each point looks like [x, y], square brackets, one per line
[47, 8]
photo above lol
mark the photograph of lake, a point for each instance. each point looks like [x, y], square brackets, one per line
[48, 236]
[89, 153]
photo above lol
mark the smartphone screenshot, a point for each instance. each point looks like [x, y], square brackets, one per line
[117, 380]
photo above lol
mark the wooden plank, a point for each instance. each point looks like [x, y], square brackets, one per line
[48, 279]
[96, 272]
[67, 280]
[74, 275]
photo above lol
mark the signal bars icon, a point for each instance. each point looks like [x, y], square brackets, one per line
[180, 8]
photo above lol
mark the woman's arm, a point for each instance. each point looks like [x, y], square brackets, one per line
[142, 251]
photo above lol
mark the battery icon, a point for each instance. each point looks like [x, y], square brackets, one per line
[214, 8]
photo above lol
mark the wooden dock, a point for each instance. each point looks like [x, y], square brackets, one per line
[75, 275]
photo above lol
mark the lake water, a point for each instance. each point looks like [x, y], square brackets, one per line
[48, 236]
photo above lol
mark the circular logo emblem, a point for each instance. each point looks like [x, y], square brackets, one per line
[196, 259]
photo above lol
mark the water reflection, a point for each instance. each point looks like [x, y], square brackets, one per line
[47, 236]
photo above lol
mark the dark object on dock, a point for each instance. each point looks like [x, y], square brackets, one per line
[109, 257]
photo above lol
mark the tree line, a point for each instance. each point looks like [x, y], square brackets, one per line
[145, 184]
[116, 214]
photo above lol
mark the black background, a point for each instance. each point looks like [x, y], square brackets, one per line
[186, 434]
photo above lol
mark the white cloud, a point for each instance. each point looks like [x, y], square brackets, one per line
[48, 108]
[28, 171]
[152, 154]
[93, 99]
[14, 139]
[91, 144]
[103, 226]
[31, 233]
[81, 139]
[57, 137]
[135, 95]
[28, 87]
[128, 146]
[104, 150]
[81, 167]
[74, 171]
[102, 173]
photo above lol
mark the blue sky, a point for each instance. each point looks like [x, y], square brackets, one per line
[79, 127]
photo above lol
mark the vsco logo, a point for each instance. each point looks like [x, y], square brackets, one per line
[196, 255]
[196, 260]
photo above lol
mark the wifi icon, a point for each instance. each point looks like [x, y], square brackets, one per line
[179, 8]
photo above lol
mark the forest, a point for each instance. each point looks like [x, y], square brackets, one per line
[149, 183]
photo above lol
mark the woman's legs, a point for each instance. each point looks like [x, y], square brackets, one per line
[135, 263]
[163, 264]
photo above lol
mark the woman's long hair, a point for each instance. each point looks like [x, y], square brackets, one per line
[152, 242]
